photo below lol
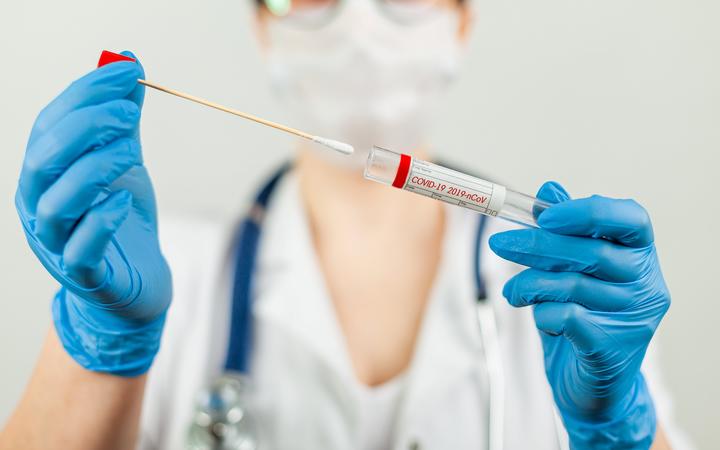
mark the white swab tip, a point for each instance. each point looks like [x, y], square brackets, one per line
[345, 149]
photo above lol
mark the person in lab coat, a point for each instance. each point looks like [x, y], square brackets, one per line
[364, 332]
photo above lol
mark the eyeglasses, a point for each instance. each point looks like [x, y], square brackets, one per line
[316, 13]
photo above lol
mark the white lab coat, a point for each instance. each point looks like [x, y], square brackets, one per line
[306, 396]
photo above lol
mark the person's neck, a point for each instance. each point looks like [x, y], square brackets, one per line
[378, 249]
[338, 198]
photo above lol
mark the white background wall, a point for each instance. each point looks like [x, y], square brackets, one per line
[620, 97]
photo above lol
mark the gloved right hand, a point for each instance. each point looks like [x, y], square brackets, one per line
[87, 207]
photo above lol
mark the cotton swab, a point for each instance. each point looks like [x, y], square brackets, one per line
[109, 57]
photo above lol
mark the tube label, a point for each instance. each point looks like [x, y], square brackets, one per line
[453, 187]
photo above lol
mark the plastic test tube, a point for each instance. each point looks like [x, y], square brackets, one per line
[450, 186]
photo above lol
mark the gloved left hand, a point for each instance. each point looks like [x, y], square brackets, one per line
[598, 296]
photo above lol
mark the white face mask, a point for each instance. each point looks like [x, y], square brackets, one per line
[364, 79]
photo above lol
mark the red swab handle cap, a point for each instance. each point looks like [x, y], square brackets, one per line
[107, 57]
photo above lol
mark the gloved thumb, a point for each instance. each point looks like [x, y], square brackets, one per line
[83, 255]
[553, 192]
[138, 94]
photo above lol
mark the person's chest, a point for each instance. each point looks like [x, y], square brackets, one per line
[307, 394]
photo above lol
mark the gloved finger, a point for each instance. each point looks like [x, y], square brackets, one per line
[83, 256]
[62, 205]
[544, 250]
[570, 320]
[623, 221]
[111, 82]
[77, 133]
[534, 286]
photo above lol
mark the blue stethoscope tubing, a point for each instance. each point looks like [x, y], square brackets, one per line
[240, 341]
[246, 249]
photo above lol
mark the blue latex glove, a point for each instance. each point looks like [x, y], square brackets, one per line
[88, 211]
[599, 295]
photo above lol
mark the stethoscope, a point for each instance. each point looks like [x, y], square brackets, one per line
[222, 421]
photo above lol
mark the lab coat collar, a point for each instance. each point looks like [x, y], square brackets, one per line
[448, 345]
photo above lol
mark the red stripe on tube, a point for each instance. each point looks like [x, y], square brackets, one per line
[107, 57]
[402, 171]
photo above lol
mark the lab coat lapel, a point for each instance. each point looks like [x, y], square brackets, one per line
[302, 305]
[448, 346]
